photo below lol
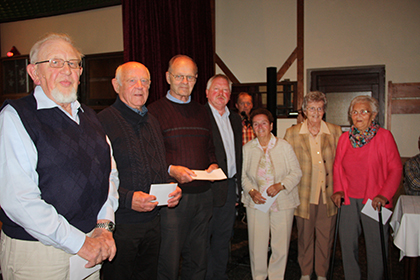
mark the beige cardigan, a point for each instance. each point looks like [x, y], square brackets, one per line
[300, 144]
[286, 171]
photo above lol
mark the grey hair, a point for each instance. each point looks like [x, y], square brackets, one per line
[33, 54]
[373, 103]
[210, 81]
[314, 96]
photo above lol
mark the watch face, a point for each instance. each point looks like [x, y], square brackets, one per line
[111, 226]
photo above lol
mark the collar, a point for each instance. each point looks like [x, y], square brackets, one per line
[176, 100]
[141, 112]
[305, 130]
[215, 112]
[44, 102]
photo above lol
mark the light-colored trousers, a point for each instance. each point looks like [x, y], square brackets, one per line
[28, 260]
[262, 226]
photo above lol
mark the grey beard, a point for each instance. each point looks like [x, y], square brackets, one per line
[64, 99]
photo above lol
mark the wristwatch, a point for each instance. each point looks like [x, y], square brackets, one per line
[110, 226]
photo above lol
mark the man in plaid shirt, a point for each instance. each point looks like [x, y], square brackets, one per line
[244, 106]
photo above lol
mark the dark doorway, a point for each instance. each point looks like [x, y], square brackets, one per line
[342, 84]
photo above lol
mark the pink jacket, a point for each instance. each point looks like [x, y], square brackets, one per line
[385, 168]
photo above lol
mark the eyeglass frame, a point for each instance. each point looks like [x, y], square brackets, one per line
[180, 78]
[78, 65]
[361, 112]
[312, 109]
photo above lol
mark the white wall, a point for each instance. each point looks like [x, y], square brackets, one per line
[253, 35]
[94, 31]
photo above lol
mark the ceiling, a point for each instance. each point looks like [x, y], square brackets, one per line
[14, 10]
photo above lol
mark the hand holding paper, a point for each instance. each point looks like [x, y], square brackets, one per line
[216, 174]
[161, 192]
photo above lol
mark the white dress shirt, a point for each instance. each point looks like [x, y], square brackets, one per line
[226, 132]
[20, 195]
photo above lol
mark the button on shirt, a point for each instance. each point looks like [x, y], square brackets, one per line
[318, 168]
[226, 132]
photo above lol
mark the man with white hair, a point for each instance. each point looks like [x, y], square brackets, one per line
[59, 180]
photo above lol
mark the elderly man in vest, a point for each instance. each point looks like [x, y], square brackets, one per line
[58, 179]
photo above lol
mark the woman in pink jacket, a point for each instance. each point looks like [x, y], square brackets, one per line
[367, 166]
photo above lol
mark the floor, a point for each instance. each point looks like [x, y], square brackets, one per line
[239, 268]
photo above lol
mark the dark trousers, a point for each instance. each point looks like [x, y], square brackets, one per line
[137, 252]
[220, 233]
[184, 230]
[351, 223]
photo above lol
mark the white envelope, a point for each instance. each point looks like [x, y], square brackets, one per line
[372, 213]
[162, 191]
[78, 270]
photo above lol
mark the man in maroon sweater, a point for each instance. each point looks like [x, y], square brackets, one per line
[187, 135]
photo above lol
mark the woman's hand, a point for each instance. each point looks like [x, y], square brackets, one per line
[379, 201]
[336, 198]
[273, 190]
[256, 196]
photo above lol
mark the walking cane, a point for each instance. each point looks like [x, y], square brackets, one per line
[381, 230]
[335, 240]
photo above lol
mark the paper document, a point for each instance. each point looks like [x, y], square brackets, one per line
[78, 270]
[269, 201]
[216, 174]
[370, 212]
[162, 191]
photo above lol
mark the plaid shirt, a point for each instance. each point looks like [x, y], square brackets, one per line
[412, 176]
[247, 133]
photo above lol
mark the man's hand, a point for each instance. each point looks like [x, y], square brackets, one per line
[181, 174]
[142, 202]
[212, 167]
[176, 196]
[99, 247]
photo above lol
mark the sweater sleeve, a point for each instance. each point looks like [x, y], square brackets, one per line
[295, 173]
[246, 181]
[392, 167]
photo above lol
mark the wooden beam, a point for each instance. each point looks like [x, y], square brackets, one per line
[300, 45]
[213, 30]
[225, 69]
[287, 64]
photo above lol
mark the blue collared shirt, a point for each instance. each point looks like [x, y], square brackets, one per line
[176, 100]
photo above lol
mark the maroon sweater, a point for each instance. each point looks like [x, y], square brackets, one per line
[186, 131]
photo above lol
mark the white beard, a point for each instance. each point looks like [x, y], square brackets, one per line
[61, 98]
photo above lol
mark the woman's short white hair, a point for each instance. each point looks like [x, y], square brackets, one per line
[373, 103]
[314, 96]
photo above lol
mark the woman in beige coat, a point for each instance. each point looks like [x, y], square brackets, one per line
[270, 170]
[314, 142]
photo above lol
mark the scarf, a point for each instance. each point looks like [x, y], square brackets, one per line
[359, 139]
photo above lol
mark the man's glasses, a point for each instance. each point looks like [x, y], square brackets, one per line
[180, 78]
[59, 63]
[361, 112]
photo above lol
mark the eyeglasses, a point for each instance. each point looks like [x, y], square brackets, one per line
[313, 109]
[144, 81]
[59, 63]
[180, 78]
[361, 112]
